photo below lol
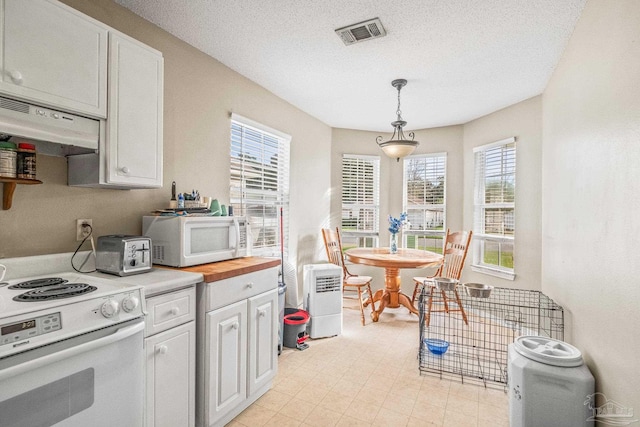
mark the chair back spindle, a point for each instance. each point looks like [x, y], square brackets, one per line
[333, 247]
[361, 284]
[454, 251]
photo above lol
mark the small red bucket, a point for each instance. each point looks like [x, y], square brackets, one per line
[295, 324]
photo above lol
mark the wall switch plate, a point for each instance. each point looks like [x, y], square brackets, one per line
[81, 230]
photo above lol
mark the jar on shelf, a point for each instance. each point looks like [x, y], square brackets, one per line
[26, 161]
[8, 157]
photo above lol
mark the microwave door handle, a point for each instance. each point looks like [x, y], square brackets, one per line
[237, 226]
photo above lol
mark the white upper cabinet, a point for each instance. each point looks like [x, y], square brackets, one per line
[134, 124]
[51, 54]
[130, 154]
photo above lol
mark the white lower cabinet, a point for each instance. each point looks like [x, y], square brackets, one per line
[170, 346]
[237, 344]
[170, 373]
[263, 327]
[227, 338]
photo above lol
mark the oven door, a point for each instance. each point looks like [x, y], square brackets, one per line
[95, 379]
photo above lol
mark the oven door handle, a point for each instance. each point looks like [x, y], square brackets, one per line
[120, 334]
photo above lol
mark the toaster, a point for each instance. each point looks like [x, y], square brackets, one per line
[123, 255]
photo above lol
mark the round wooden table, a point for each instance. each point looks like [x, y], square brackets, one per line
[391, 296]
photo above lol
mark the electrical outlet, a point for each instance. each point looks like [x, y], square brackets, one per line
[81, 230]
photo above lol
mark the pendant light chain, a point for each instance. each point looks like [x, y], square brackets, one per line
[398, 111]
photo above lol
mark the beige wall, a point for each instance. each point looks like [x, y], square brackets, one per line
[590, 186]
[524, 121]
[438, 140]
[199, 94]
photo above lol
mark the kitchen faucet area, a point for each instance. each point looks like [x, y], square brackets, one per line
[336, 214]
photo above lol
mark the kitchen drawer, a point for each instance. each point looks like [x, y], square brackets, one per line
[228, 291]
[168, 310]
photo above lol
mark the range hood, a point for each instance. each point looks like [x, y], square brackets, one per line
[54, 133]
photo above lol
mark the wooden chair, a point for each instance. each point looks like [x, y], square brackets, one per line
[362, 284]
[454, 250]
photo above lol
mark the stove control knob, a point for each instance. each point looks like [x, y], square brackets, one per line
[110, 308]
[130, 303]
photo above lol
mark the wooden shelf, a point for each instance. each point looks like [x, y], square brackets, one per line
[9, 185]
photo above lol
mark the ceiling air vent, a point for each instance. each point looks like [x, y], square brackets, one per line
[361, 31]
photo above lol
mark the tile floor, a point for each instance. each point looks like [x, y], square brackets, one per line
[368, 376]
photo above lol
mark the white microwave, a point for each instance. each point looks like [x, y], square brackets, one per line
[181, 241]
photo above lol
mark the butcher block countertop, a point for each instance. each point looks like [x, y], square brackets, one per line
[235, 267]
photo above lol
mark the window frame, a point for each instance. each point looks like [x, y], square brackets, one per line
[238, 191]
[369, 237]
[480, 236]
[428, 233]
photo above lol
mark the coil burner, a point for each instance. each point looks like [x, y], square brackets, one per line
[53, 292]
[38, 283]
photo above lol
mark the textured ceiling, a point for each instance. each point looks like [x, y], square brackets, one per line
[462, 58]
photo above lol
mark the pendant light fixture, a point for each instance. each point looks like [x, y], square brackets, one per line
[398, 146]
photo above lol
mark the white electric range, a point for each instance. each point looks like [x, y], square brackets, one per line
[36, 311]
[71, 350]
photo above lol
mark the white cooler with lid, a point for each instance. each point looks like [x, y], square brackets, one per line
[548, 384]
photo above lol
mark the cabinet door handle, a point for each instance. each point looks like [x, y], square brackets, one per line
[250, 285]
[125, 170]
[262, 313]
[16, 76]
[163, 349]
[235, 325]
[175, 311]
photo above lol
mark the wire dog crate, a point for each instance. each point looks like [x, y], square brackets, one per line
[477, 349]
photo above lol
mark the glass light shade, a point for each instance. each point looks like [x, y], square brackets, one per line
[398, 148]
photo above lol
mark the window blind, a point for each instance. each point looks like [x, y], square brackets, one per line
[424, 200]
[494, 204]
[259, 182]
[360, 200]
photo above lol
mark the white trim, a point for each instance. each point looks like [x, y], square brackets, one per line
[259, 126]
[238, 192]
[424, 232]
[360, 156]
[480, 207]
[494, 238]
[443, 205]
[508, 275]
[494, 144]
[503, 205]
[361, 233]
[351, 166]
[442, 154]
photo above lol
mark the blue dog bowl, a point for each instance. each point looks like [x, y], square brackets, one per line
[437, 346]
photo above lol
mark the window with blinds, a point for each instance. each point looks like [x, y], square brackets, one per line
[259, 183]
[360, 200]
[424, 188]
[494, 207]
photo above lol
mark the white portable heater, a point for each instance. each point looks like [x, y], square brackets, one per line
[322, 290]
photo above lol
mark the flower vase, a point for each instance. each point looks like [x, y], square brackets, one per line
[393, 246]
